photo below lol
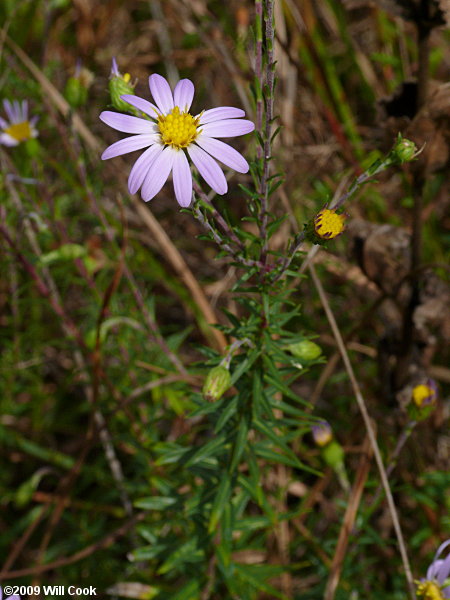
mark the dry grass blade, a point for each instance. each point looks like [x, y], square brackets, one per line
[167, 247]
[369, 428]
[349, 521]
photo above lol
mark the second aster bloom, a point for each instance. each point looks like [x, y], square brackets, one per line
[322, 433]
[436, 585]
[18, 128]
[171, 134]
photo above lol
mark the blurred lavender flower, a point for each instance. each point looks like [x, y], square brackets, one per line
[14, 597]
[18, 128]
[436, 585]
[322, 433]
[168, 131]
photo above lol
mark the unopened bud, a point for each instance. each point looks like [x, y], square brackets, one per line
[333, 454]
[305, 350]
[216, 384]
[404, 150]
[119, 85]
[76, 90]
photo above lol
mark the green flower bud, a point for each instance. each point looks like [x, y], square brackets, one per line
[216, 384]
[118, 86]
[333, 454]
[305, 350]
[75, 93]
[404, 150]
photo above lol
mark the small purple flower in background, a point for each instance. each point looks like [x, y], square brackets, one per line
[168, 132]
[18, 128]
[322, 433]
[436, 585]
[14, 597]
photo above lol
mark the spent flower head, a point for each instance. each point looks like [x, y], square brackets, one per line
[18, 128]
[170, 134]
[436, 584]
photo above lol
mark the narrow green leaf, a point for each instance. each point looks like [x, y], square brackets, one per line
[220, 501]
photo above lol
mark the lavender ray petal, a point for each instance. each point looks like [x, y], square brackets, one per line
[161, 92]
[444, 570]
[433, 569]
[9, 110]
[183, 94]
[7, 140]
[182, 179]
[228, 128]
[141, 167]
[220, 113]
[127, 123]
[144, 105]
[129, 144]
[223, 152]
[208, 169]
[441, 548]
[158, 173]
[3, 125]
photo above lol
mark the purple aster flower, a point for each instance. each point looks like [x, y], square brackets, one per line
[14, 597]
[170, 134]
[18, 128]
[436, 585]
[322, 433]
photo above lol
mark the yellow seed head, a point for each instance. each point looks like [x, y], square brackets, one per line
[20, 131]
[429, 590]
[329, 224]
[178, 129]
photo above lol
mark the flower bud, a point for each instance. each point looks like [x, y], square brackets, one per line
[118, 86]
[305, 350]
[76, 90]
[404, 150]
[75, 93]
[216, 384]
[333, 454]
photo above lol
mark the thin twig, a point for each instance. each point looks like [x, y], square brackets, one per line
[366, 417]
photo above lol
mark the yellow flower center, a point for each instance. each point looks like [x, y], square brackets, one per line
[328, 224]
[423, 394]
[322, 437]
[429, 590]
[178, 129]
[19, 131]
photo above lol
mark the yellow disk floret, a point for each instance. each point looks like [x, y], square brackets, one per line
[429, 590]
[423, 394]
[329, 224]
[20, 131]
[178, 129]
